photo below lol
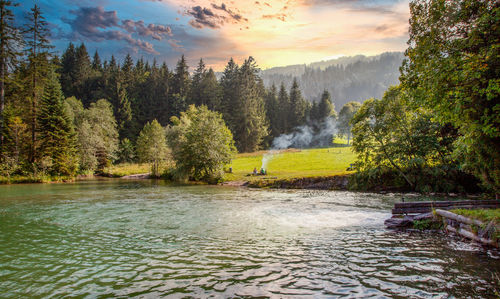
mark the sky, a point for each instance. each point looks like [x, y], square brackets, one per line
[274, 32]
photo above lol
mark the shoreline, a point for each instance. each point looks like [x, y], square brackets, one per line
[332, 183]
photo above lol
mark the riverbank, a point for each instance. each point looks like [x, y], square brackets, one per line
[475, 220]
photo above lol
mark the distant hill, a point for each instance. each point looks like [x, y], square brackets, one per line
[353, 78]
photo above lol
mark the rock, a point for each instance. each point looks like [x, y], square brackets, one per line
[398, 222]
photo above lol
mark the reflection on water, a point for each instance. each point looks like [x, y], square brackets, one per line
[128, 239]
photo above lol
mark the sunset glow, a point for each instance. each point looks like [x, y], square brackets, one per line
[276, 32]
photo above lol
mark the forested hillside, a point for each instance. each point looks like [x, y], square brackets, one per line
[347, 79]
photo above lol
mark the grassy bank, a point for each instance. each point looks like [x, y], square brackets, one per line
[20, 179]
[292, 163]
[484, 215]
[124, 169]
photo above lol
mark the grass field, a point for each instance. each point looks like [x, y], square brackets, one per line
[293, 163]
[124, 169]
[285, 164]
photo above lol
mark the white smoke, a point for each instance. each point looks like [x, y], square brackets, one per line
[316, 134]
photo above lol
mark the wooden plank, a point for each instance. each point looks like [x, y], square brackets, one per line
[470, 235]
[445, 203]
[458, 218]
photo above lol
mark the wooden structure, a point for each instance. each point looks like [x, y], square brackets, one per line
[484, 233]
[420, 207]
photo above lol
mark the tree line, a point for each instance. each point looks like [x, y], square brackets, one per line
[346, 79]
[73, 113]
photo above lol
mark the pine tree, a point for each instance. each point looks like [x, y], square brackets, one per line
[325, 107]
[57, 136]
[283, 123]
[68, 61]
[181, 79]
[272, 111]
[229, 83]
[81, 75]
[196, 93]
[298, 105]
[96, 62]
[36, 35]
[10, 39]
[211, 91]
[128, 73]
[250, 125]
[123, 111]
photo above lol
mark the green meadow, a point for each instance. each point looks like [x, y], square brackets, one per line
[292, 163]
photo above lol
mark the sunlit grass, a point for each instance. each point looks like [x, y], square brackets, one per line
[124, 169]
[293, 163]
[485, 215]
[19, 179]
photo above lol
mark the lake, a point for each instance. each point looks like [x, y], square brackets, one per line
[119, 238]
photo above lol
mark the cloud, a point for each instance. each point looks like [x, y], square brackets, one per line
[278, 16]
[236, 16]
[96, 24]
[206, 17]
[154, 31]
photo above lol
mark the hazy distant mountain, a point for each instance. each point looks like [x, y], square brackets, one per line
[354, 78]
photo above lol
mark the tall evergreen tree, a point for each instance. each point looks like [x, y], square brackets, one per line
[325, 107]
[229, 82]
[211, 91]
[68, 61]
[36, 36]
[56, 131]
[81, 75]
[272, 111]
[123, 111]
[283, 123]
[196, 84]
[181, 79]
[96, 62]
[10, 40]
[298, 106]
[250, 126]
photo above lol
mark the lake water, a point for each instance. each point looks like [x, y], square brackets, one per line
[117, 238]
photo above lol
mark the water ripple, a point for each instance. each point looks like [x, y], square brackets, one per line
[142, 240]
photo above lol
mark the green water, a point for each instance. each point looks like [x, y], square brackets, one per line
[117, 238]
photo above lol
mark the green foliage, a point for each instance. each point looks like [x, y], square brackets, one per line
[152, 146]
[244, 108]
[96, 133]
[452, 69]
[126, 153]
[325, 107]
[181, 80]
[401, 147]
[283, 121]
[10, 39]
[426, 224]
[56, 131]
[201, 144]
[344, 121]
[298, 106]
